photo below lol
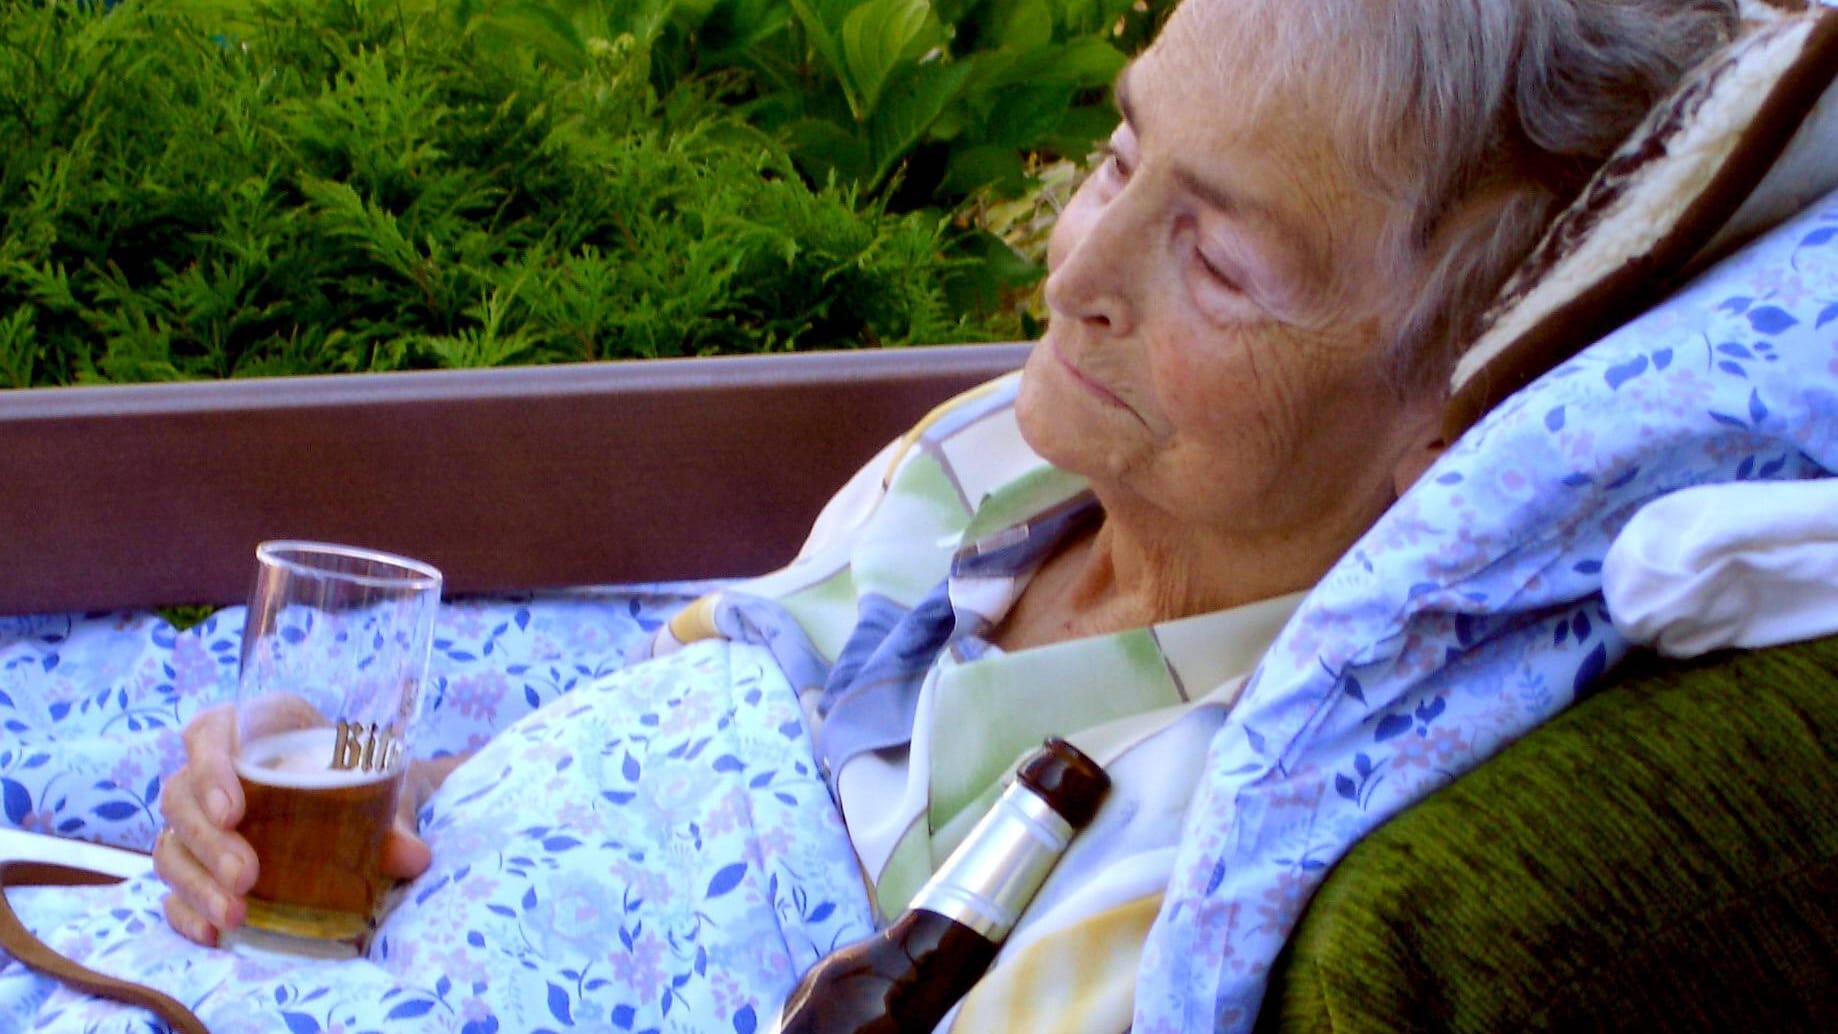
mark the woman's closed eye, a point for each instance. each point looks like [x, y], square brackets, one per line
[1229, 279]
[1116, 165]
[1216, 272]
[1119, 158]
[1215, 276]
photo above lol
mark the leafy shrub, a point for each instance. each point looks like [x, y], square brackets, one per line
[210, 189]
[951, 95]
[971, 106]
[928, 100]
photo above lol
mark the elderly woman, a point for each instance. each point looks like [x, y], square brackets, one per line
[1255, 303]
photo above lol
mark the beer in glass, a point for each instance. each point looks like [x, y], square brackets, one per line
[335, 652]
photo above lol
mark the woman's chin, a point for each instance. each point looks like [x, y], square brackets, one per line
[1073, 436]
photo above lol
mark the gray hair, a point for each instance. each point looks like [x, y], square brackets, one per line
[1481, 120]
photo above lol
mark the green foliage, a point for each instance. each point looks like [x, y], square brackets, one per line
[918, 104]
[186, 616]
[927, 100]
[215, 188]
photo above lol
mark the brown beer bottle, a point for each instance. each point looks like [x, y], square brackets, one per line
[905, 978]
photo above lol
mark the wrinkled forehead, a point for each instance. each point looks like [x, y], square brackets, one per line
[1301, 80]
[1226, 71]
[1252, 96]
[1223, 23]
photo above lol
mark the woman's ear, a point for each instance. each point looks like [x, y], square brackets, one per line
[1417, 459]
[1424, 446]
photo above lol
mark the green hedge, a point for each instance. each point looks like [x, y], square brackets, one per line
[217, 188]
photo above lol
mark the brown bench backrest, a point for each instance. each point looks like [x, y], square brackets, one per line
[505, 479]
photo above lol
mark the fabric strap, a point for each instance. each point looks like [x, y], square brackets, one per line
[38, 956]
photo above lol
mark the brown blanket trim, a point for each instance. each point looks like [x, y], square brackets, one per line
[36, 955]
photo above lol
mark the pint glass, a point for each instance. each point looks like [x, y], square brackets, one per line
[335, 651]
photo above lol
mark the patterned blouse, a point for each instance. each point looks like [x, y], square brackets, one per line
[883, 623]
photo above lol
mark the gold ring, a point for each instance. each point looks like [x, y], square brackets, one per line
[159, 839]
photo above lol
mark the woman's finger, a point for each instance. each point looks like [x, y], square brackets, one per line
[210, 748]
[227, 856]
[190, 925]
[405, 855]
[194, 886]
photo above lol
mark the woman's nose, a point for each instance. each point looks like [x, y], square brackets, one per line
[1101, 258]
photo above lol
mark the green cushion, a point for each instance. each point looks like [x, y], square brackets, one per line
[1662, 856]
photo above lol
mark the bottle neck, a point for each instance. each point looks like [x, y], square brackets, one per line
[991, 877]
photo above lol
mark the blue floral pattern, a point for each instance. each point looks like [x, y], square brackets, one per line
[91, 705]
[1472, 611]
[636, 844]
[653, 851]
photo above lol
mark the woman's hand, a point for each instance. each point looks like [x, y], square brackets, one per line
[210, 867]
[405, 854]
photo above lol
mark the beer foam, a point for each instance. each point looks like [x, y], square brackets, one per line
[302, 759]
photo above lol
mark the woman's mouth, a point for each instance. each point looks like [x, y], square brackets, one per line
[1100, 391]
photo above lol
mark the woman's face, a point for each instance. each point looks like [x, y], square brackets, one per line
[1214, 348]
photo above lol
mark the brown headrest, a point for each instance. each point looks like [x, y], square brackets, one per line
[1744, 141]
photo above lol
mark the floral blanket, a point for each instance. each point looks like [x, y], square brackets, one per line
[91, 704]
[646, 849]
